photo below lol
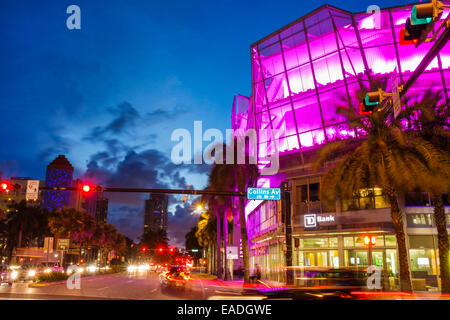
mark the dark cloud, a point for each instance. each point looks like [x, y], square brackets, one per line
[126, 117]
[147, 169]
[166, 114]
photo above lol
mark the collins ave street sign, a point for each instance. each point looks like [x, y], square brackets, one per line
[263, 194]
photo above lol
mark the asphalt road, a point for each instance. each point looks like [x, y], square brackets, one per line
[113, 286]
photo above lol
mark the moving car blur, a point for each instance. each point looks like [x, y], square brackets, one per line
[176, 278]
[24, 272]
[5, 275]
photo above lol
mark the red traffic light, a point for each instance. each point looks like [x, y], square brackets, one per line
[144, 249]
[160, 250]
[370, 240]
[86, 188]
[4, 186]
[171, 250]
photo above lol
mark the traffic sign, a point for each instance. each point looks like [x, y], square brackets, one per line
[63, 244]
[396, 94]
[264, 194]
[32, 190]
[232, 252]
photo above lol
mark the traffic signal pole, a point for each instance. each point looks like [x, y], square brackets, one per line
[160, 191]
[288, 231]
[435, 49]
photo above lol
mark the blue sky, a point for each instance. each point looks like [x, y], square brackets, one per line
[109, 95]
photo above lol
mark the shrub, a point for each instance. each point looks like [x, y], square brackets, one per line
[52, 276]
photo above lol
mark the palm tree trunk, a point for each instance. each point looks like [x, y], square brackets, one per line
[399, 227]
[219, 264]
[443, 245]
[19, 242]
[244, 240]
[225, 243]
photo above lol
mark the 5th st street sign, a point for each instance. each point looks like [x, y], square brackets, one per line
[263, 194]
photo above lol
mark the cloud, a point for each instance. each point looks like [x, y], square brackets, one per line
[180, 222]
[146, 169]
[126, 117]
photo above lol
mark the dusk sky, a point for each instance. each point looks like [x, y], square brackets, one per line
[109, 96]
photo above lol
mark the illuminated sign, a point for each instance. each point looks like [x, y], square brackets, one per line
[263, 194]
[311, 220]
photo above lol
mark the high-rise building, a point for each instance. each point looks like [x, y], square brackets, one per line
[101, 210]
[156, 212]
[59, 174]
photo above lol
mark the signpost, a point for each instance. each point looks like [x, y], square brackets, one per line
[263, 194]
[63, 245]
[32, 190]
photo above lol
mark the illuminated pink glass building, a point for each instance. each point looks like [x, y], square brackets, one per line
[300, 74]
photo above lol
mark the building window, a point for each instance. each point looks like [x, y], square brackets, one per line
[417, 199]
[419, 220]
[348, 242]
[365, 199]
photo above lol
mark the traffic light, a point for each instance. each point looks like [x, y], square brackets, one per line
[171, 250]
[421, 23]
[144, 249]
[87, 188]
[7, 187]
[160, 250]
[370, 240]
[370, 101]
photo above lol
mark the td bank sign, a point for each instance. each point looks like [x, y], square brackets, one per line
[312, 220]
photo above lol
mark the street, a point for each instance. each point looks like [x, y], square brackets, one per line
[114, 286]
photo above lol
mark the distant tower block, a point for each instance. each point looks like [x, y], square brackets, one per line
[59, 174]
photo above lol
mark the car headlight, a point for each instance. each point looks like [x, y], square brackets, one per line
[80, 270]
[31, 273]
[91, 268]
[48, 270]
[131, 268]
[14, 274]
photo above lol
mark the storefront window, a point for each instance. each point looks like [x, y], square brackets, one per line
[333, 258]
[379, 241]
[359, 241]
[348, 242]
[316, 259]
[333, 242]
[315, 242]
[423, 262]
[390, 240]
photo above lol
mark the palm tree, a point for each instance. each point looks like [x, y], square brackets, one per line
[206, 235]
[383, 156]
[238, 178]
[429, 121]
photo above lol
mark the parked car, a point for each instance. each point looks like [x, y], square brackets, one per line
[5, 274]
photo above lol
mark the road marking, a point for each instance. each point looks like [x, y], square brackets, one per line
[154, 290]
[103, 288]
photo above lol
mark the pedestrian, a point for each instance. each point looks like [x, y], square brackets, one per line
[258, 272]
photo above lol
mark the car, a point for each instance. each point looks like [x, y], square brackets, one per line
[176, 278]
[303, 294]
[6, 274]
[47, 267]
[332, 278]
[24, 272]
